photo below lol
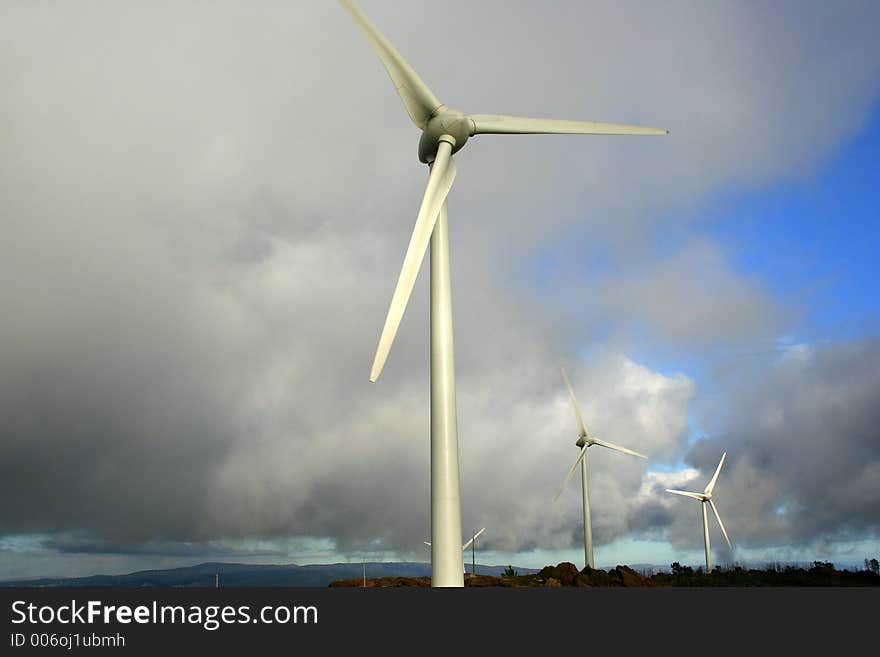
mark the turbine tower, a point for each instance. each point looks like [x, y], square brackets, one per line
[444, 132]
[706, 498]
[585, 441]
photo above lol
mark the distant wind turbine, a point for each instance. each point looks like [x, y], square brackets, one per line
[444, 132]
[706, 498]
[472, 543]
[585, 441]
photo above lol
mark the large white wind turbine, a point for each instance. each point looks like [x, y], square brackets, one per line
[586, 441]
[706, 498]
[444, 132]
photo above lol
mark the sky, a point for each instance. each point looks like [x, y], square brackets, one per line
[205, 207]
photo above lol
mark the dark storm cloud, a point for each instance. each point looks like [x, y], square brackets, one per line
[79, 544]
[651, 515]
[803, 453]
[804, 445]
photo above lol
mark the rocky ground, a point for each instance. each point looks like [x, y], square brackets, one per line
[564, 574]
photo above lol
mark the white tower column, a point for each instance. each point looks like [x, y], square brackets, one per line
[706, 536]
[446, 562]
[588, 527]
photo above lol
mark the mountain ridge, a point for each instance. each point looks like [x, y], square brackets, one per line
[238, 575]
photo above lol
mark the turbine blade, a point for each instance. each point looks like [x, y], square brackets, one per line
[696, 496]
[618, 448]
[427, 543]
[472, 538]
[419, 100]
[571, 472]
[721, 524]
[711, 485]
[577, 411]
[499, 124]
[439, 184]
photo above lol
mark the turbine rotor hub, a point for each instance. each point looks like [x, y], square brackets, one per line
[444, 122]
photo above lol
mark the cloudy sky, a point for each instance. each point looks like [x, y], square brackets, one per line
[204, 210]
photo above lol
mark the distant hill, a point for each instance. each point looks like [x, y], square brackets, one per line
[238, 575]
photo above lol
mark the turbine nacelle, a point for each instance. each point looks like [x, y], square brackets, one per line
[583, 441]
[445, 121]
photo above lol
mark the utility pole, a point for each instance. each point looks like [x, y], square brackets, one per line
[364, 563]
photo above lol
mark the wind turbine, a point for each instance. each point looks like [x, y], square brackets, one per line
[472, 543]
[473, 546]
[444, 132]
[585, 441]
[706, 498]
